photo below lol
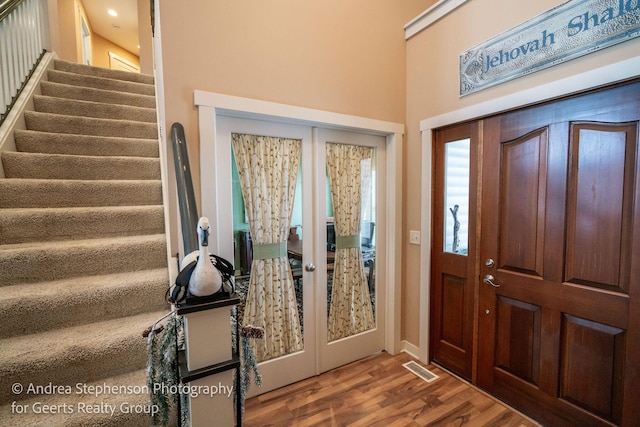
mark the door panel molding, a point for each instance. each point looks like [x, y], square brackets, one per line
[518, 338]
[597, 351]
[524, 188]
[603, 227]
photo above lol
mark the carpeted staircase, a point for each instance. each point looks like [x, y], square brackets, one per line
[83, 266]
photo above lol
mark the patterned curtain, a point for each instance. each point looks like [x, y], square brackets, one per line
[268, 168]
[350, 311]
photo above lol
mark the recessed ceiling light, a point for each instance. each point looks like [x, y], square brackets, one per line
[112, 12]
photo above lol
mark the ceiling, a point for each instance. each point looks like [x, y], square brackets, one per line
[122, 29]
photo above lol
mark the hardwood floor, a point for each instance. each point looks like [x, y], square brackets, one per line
[379, 391]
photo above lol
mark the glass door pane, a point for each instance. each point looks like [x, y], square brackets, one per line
[456, 197]
[350, 240]
[265, 174]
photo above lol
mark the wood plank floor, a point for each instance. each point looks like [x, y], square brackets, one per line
[379, 391]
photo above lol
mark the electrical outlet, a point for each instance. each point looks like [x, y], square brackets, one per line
[414, 237]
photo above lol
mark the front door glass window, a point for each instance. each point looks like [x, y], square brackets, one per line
[456, 197]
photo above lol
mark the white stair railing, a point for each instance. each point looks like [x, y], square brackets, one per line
[23, 35]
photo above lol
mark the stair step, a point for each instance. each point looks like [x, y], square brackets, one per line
[45, 122]
[73, 67]
[74, 107]
[54, 224]
[78, 354]
[87, 145]
[50, 193]
[85, 80]
[97, 95]
[134, 382]
[69, 302]
[64, 166]
[39, 262]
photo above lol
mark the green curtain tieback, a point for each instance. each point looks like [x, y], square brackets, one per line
[270, 250]
[346, 242]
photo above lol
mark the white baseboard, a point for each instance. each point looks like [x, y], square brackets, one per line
[412, 350]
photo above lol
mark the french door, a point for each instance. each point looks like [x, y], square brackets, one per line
[346, 331]
[560, 289]
[329, 263]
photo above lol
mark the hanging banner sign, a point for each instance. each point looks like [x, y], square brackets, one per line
[570, 30]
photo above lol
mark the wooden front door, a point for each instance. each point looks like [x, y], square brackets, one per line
[559, 285]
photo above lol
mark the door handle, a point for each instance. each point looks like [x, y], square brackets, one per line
[488, 279]
[310, 267]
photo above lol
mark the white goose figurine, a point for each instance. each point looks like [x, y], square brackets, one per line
[205, 279]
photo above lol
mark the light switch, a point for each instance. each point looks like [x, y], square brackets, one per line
[414, 237]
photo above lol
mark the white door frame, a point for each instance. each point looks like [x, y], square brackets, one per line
[212, 169]
[608, 74]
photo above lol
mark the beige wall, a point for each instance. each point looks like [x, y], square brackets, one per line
[100, 48]
[432, 89]
[341, 56]
[67, 18]
[145, 37]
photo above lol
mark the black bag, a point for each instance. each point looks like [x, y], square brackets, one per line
[181, 289]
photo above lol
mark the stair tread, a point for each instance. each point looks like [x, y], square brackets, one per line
[62, 90]
[91, 338]
[97, 138]
[59, 116]
[77, 210]
[32, 262]
[92, 81]
[91, 145]
[36, 193]
[137, 379]
[82, 244]
[73, 166]
[63, 65]
[66, 288]
[68, 302]
[18, 225]
[106, 159]
[49, 122]
[91, 182]
[78, 107]
[85, 397]
[75, 354]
